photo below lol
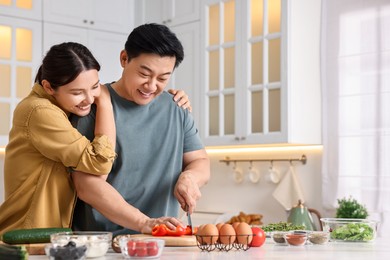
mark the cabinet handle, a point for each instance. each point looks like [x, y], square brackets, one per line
[242, 138]
[85, 21]
[237, 138]
[92, 22]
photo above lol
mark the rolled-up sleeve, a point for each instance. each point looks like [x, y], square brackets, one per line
[54, 136]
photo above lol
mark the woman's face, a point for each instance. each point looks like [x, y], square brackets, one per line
[77, 96]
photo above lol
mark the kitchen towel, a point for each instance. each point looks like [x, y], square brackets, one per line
[289, 190]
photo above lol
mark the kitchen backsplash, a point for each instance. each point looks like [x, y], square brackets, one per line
[224, 195]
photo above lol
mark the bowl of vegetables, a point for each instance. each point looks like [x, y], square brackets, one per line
[350, 230]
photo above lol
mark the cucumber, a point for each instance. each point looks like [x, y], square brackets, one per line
[10, 252]
[31, 236]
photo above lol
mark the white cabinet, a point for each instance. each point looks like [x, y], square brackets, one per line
[260, 72]
[104, 46]
[168, 12]
[112, 16]
[27, 9]
[186, 76]
[20, 56]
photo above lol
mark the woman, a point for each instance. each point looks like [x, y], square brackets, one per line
[44, 147]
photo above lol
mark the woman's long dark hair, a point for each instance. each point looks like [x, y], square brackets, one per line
[64, 62]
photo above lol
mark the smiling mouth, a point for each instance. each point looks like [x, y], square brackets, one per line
[144, 94]
[84, 107]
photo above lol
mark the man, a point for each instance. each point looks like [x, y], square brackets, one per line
[161, 161]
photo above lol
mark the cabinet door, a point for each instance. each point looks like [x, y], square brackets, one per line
[70, 12]
[56, 33]
[106, 47]
[169, 12]
[180, 12]
[20, 57]
[114, 16]
[222, 95]
[27, 9]
[187, 75]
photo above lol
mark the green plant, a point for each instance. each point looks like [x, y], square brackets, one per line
[351, 208]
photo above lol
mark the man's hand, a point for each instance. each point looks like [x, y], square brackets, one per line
[187, 191]
[170, 222]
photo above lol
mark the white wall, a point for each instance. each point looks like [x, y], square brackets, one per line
[223, 195]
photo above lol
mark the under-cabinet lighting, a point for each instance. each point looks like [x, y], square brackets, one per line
[2, 149]
[247, 149]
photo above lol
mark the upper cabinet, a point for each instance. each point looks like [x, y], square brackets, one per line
[20, 56]
[26, 9]
[168, 12]
[260, 72]
[112, 16]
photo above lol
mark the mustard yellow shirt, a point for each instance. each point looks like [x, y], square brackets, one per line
[42, 144]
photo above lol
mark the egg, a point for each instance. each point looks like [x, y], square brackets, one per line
[227, 234]
[235, 224]
[208, 234]
[244, 233]
[219, 225]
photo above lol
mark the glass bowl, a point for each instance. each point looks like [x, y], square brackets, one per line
[278, 237]
[97, 243]
[141, 248]
[69, 251]
[295, 238]
[318, 237]
[350, 230]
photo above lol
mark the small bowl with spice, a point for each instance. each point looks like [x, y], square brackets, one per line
[296, 238]
[278, 237]
[318, 237]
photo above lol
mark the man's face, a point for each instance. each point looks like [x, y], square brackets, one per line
[145, 76]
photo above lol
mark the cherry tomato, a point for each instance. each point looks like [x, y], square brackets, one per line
[141, 249]
[131, 248]
[258, 237]
[152, 248]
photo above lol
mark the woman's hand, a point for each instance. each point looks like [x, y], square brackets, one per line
[181, 98]
[104, 98]
[170, 222]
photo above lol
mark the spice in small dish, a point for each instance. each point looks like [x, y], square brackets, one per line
[278, 237]
[319, 237]
[296, 239]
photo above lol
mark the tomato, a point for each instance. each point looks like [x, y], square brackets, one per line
[152, 248]
[258, 237]
[131, 248]
[141, 249]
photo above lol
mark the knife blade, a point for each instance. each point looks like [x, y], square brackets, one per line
[189, 220]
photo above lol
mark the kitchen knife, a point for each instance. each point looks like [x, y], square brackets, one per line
[189, 220]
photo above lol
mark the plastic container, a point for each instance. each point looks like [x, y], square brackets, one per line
[318, 237]
[350, 230]
[296, 238]
[141, 248]
[97, 243]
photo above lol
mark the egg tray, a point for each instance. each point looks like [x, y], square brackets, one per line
[203, 242]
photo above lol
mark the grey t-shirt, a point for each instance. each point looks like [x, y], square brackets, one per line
[150, 144]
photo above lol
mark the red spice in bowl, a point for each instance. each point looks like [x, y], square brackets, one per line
[296, 239]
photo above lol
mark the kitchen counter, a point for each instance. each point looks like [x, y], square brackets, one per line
[380, 249]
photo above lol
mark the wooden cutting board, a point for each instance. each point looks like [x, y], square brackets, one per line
[172, 241]
[33, 249]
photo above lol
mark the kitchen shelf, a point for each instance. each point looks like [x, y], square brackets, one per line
[302, 159]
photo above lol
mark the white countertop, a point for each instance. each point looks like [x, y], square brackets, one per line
[379, 249]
